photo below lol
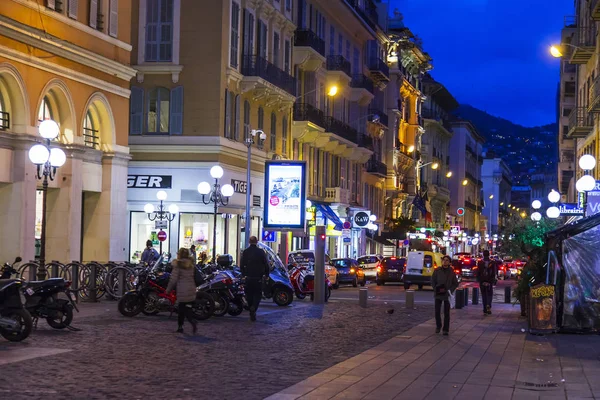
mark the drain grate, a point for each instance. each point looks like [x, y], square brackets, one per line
[537, 386]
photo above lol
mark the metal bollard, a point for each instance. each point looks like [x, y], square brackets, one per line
[466, 297]
[475, 299]
[75, 282]
[54, 270]
[122, 288]
[507, 294]
[363, 295]
[410, 299]
[460, 298]
[32, 272]
[92, 287]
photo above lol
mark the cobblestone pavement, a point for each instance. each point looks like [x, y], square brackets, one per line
[230, 358]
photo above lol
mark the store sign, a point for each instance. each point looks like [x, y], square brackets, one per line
[592, 203]
[361, 219]
[256, 201]
[581, 199]
[455, 231]
[240, 186]
[149, 181]
[570, 209]
[311, 216]
[285, 195]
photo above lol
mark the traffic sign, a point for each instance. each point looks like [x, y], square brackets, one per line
[268, 236]
[347, 225]
[162, 236]
[160, 224]
[460, 211]
[346, 233]
[347, 240]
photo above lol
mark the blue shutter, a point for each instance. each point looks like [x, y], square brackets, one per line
[136, 111]
[176, 113]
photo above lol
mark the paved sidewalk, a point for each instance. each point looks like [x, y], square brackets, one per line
[485, 357]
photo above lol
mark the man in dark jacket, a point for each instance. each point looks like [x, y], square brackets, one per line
[443, 282]
[255, 267]
[150, 255]
[486, 276]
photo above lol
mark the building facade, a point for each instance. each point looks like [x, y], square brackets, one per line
[465, 163]
[69, 62]
[497, 184]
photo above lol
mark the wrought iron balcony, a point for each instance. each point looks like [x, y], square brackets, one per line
[584, 41]
[379, 70]
[308, 112]
[307, 38]
[367, 9]
[90, 138]
[362, 82]
[260, 67]
[376, 167]
[594, 98]
[339, 63]
[4, 120]
[581, 123]
[383, 117]
[341, 129]
[365, 141]
[430, 114]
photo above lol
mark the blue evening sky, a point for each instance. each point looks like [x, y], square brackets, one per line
[493, 54]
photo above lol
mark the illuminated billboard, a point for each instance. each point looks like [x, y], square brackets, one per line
[285, 195]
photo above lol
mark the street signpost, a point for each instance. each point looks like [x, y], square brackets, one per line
[268, 236]
[160, 224]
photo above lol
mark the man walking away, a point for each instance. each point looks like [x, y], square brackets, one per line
[150, 255]
[486, 276]
[193, 254]
[255, 267]
[443, 282]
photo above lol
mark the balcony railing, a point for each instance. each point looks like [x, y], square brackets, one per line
[581, 123]
[307, 38]
[584, 41]
[90, 138]
[379, 69]
[341, 129]
[375, 166]
[337, 195]
[308, 112]
[362, 82]
[367, 11]
[594, 98]
[471, 151]
[365, 141]
[258, 66]
[430, 114]
[4, 120]
[383, 117]
[339, 63]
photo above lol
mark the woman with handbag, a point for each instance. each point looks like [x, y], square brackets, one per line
[182, 279]
[443, 282]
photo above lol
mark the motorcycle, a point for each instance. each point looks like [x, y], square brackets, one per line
[223, 283]
[302, 278]
[150, 297]
[41, 299]
[15, 321]
[278, 286]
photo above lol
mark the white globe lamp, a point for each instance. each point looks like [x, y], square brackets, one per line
[536, 216]
[216, 172]
[148, 208]
[39, 154]
[536, 204]
[373, 218]
[161, 195]
[553, 196]
[585, 183]
[308, 203]
[57, 157]
[173, 209]
[49, 129]
[553, 212]
[227, 190]
[587, 162]
[204, 188]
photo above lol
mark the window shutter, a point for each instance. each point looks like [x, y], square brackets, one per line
[227, 115]
[176, 116]
[51, 4]
[93, 13]
[136, 110]
[113, 18]
[73, 7]
[236, 119]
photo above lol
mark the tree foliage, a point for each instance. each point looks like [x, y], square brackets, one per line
[401, 225]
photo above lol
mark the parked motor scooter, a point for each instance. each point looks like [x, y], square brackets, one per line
[303, 281]
[15, 321]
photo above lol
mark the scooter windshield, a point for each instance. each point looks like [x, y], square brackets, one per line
[275, 263]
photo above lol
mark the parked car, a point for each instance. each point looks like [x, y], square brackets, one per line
[419, 268]
[390, 269]
[349, 272]
[369, 264]
[465, 268]
[307, 257]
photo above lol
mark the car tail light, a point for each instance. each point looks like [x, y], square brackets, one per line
[475, 267]
[351, 270]
[393, 258]
[378, 268]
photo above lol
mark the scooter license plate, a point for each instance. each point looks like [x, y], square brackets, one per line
[30, 291]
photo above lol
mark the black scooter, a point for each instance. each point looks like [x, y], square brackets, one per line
[41, 299]
[15, 321]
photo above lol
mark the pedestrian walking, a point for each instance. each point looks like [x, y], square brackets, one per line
[255, 267]
[443, 282]
[193, 254]
[150, 255]
[182, 278]
[487, 276]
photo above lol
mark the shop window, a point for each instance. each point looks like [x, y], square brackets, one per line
[90, 132]
[159, 31]
[45, 111]
[197, 229]
[158, 110]
[142, 230]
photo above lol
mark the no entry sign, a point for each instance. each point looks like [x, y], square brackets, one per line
[162, 236]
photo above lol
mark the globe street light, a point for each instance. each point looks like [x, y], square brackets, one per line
[162, 214]
[47, 160]
[553, 196]
[249, 142]
[553, 212]
[536, 216]
[536, 205]
[216, 194]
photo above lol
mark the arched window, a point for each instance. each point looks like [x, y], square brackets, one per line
[284, 136]
[4, 116]
[273, 138]
[45, 111]
[246, 120]
[90, 131]
[261, 118]
[158, 110]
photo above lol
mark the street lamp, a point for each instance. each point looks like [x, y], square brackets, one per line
[557, 51]
[215, 194]
[249, 142]
[465, 182]
[586, 182]
[448, 174]
[162, 214]
[553, 211]
[536, 204]
[47, 160]
[536, 216]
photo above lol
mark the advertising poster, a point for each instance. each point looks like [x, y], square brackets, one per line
[542, 313]
[285, 197]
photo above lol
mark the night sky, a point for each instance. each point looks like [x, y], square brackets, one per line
[493, 54]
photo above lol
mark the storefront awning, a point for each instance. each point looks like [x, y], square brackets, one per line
[330, 215]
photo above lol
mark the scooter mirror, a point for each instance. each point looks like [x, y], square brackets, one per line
[18, 259]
